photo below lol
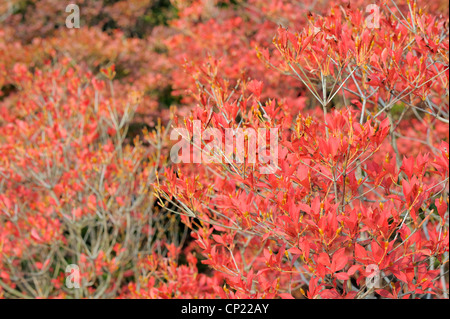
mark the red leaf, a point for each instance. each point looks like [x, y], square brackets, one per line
[384, 293]
[324, 259]
[295, 251]
[339, 260]
[342, 276]
[353, 269]
[35, 235]
[218, 239]
[360, 252]
[255, 87]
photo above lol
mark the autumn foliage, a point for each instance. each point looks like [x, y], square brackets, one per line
[357, 206]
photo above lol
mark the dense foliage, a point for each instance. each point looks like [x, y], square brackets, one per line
[362, 174]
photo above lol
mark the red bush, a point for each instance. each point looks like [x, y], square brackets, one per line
[356, 205]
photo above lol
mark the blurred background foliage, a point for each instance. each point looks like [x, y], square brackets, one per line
[136, 18]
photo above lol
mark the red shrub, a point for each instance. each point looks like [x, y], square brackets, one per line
[346, 196]
[356, 205]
